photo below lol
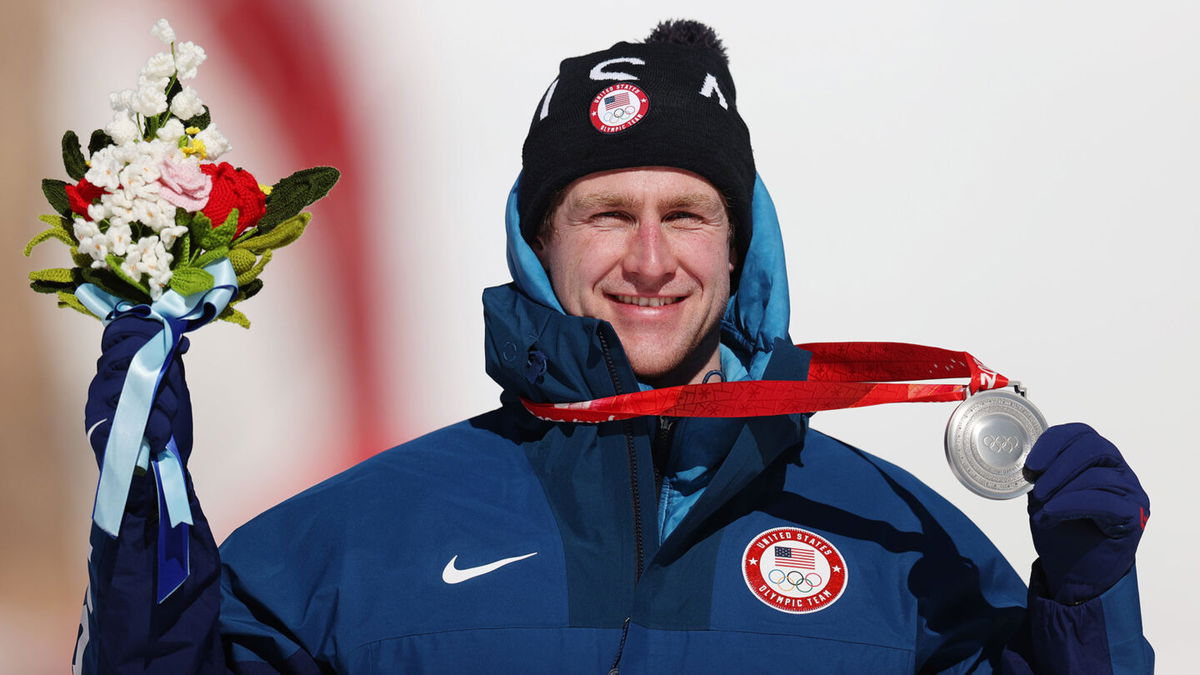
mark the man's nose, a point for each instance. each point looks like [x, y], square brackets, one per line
[650, 258]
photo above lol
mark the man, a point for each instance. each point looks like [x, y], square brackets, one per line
[645, 253]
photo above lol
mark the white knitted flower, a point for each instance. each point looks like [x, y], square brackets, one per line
[105, 169]
[186, 104]
[151, 96]
[85, 229]
[159, 283]
[122, 128]
[161, 64]
[148, 256]
[140, 173]
[171, 131]
[97, 212]
[97, 248]
[169, 235]
[120, 207]
[149, 212]
[163, 31]
[119, 238]
[121, 100]
[215, 144]
[188, 57]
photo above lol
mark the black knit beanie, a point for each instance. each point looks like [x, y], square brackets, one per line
[669, 101]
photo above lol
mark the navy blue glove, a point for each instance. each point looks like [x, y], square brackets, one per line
[1086, 510]
[172, 409]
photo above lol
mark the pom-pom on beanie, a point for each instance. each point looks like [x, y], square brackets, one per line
[668, 101]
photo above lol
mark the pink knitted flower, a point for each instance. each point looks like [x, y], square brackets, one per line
[183, 183]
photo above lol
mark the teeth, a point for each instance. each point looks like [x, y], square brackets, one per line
[645, 302]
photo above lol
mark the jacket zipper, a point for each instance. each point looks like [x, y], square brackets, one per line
[660, 451]
[633, 464]
[639, 544]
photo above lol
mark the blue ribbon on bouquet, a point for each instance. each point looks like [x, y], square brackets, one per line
[127, 447]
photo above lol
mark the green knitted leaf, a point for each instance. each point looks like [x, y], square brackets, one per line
[80, 259]
[183, 247]
[292, 194]
[198, 228]
[114, 265]
[49, 287]
[222, 235]
[189, 280]
[282, 235]
[56, 275]
[72, 154]
[252, 273]
[251, 289]
[56, 194]
[184, 218]
[66, 299]
[211, 256]
[241, 259]
[109, 282]
[234, 316]
[98, 141]
[45, 235]
[57, 221]
[200, 121]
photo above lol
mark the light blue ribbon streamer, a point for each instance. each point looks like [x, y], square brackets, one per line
[126, 447]
[174, 564]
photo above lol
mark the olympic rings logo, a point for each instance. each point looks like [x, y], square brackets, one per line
[794, 580]
[617, 115]
[1002, 443]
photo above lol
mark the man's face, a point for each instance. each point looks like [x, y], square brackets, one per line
[647, 250]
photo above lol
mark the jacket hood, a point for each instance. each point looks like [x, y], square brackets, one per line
[536, 351]
[758, 312]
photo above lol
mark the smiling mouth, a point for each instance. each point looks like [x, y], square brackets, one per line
[644, 301]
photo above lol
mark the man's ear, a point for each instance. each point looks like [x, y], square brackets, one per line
[539, 249]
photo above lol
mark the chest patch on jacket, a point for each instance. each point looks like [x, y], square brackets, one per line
[793, 570]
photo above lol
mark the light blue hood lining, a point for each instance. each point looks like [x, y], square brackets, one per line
[757, 316]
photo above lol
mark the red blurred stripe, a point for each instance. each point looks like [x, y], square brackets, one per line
[284, 44]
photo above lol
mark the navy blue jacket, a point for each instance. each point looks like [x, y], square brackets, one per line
[628, 545]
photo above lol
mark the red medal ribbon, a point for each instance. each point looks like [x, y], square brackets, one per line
[841, 375]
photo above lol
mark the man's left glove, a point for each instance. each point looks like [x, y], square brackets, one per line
[1087, 511]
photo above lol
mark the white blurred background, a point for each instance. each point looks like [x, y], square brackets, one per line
[1014, 179]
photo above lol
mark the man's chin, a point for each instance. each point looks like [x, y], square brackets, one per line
[661, 370]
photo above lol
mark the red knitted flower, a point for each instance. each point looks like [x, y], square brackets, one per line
[80, 196]
[233, 189]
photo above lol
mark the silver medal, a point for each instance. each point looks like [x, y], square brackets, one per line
[987, 440]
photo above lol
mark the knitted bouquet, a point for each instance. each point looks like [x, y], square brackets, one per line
[151, 210]
[158, 228]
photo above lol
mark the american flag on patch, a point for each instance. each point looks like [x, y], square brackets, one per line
[786, 556]
[617, 100]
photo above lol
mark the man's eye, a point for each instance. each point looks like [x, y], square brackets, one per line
[683, 215]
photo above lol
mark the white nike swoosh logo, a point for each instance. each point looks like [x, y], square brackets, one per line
[453, 575]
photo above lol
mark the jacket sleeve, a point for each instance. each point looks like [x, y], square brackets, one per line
[1102, 635]
[123, 629]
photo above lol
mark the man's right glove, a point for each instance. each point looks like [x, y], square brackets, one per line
[171, 413]
[1086, 512]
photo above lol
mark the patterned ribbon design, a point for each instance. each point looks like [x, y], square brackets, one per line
[127, 447]
[841, 375]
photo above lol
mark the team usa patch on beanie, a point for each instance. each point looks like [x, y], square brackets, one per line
[618, 107]
[668, 101]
